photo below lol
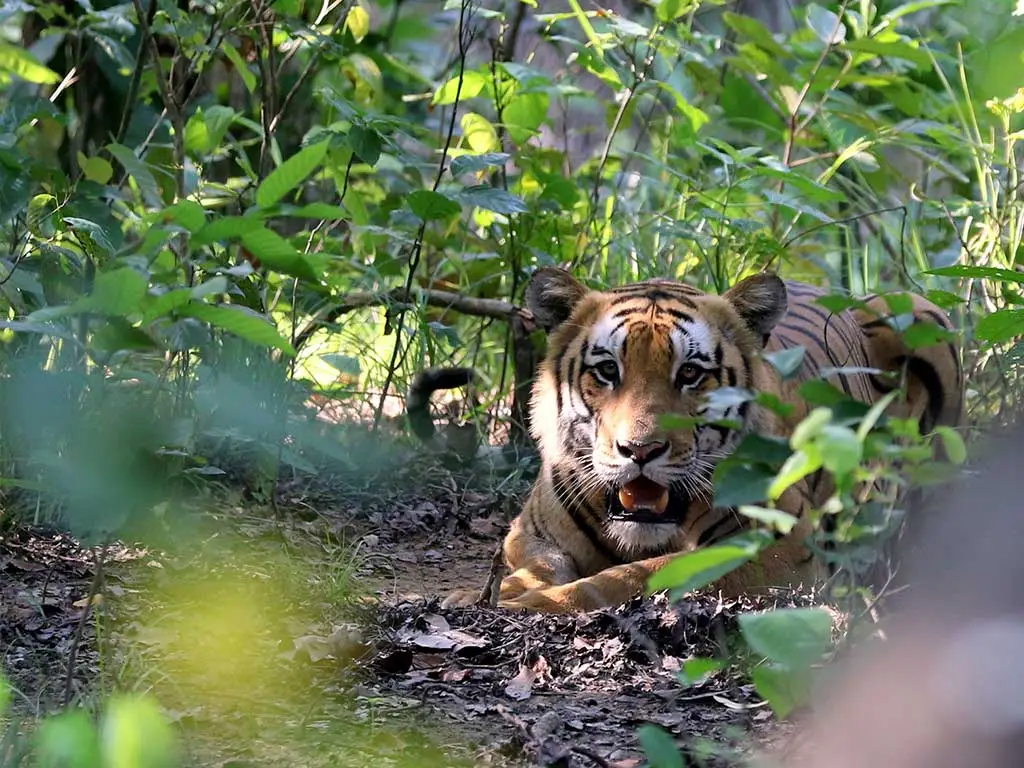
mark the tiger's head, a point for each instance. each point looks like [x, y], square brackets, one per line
[620, 360]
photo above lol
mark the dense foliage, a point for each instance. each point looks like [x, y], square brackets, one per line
[216, 217]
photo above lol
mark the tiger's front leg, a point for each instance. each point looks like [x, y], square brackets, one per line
[608, 588]
[535, 563]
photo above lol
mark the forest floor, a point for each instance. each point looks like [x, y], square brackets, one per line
[311, 634]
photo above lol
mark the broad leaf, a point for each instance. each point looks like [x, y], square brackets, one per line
[792, 637]
[290, 174]
[786, 361]
[475, 163]
[433, 206]
[660, 747]
[277, 254]
[17, 61]
[784, 689]
[1002, 325]
[985, 273]
[694, 570]
[139, 171]
[826, 25]
[240, 321]
[493, 199]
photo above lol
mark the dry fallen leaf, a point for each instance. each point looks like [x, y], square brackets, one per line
[520, 687]
[345, 642]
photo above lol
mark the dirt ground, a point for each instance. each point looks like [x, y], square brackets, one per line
[278, 657]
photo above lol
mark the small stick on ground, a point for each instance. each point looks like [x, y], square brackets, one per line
[492, 589]
[99, 554]
[591, 755]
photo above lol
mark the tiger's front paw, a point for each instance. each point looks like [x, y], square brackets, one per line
[462, 598]
[560, 599]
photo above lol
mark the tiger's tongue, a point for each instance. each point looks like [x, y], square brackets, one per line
[643, 493]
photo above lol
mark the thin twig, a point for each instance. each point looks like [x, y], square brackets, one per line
[467, 305]
[99, 555]
[417, 246]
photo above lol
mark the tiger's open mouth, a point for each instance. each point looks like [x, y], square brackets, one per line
[645, 501]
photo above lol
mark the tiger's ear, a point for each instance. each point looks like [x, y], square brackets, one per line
[552, 295]
[760, 301]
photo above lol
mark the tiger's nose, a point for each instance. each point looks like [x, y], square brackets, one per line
[643, 451]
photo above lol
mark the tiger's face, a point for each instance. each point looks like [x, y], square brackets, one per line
[619, 362]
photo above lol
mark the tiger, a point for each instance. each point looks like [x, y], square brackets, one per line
[620, 493]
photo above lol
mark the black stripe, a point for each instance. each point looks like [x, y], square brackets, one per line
[715, 532]
[578, 516]
[925, 372]
[676, 313]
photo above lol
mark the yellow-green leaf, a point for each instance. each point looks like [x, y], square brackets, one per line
[95, 169]
[20, 62]
[358, 22]
[479, 133]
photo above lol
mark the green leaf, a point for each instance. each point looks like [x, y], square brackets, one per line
[240, 65]
[135, 732]
[840, 450]
[825, 24]
[922, 335]
[786, 361]
[809, 428]
[737, 484]
[776, 519]
[695, 570]
[224, 228]
[206, 129]
[985, 273]
[366, 143]
[792, 637]
[956, 451]
[476, 163]
[277, 254]
[433, 206]
[68, 740]
[240, 321]
[118, 293]
[493, 199]
[139, 171]
[1002, 325]
[188, 213]
[821, 392]
[5, 695]
[118, 334]
[91, 235]
[473, 83]
[670, 10]
[324, 211]
[161, 306]
[890, 50]
[784, 689]
[945, 299]
[660, 747]
[290, 174]
[798, 466]
[524, 114]
[757, 33]
[95, 169]
[18, 61]
[696, 671]
[837, 304]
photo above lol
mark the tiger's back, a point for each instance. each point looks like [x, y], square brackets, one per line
[619, 495]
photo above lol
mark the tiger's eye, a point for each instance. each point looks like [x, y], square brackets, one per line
[607, 370]
[688, 375]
